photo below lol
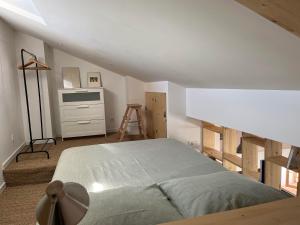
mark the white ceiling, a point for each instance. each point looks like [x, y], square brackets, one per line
[195, 43]
[26, 5]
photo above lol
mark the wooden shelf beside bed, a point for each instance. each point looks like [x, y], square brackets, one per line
[212, 127]
[225, 149]
[256, 140]
[208, 140]
[253, 174]
[280, 161]
[213, 153]
[251, 144]
[281, 212]
[234, 159]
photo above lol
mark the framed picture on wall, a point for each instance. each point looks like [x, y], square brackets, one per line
[94, 79]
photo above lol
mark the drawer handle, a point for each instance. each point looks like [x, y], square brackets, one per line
[84, 122]
[83, 106]
[82, 91]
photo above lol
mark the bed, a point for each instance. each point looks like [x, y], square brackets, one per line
[152, 181]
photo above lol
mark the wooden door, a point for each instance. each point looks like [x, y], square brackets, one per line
[156, 115]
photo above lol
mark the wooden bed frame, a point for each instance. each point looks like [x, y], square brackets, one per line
[283, 212]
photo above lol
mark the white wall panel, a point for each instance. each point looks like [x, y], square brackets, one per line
[272, 114]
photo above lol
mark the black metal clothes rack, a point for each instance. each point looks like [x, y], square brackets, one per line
[38, 66]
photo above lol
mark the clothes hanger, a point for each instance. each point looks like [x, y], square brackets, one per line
[38, 65]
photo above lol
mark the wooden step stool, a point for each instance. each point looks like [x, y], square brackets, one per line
[126, 119]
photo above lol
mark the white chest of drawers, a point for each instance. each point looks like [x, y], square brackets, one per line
[82, 112]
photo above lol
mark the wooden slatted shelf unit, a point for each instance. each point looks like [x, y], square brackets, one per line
[250, 147]
[283, 212]
[230, 143]
[234, 159]
[255, 140]
[212, 127]
[213, 153]
[208, 140]
[227, 148]
[253, 174]
[282, 162]
[274, 213]
[271, 149]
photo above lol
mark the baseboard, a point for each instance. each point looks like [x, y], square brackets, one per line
[8, 161]
[12, 156]
[38, 142]
[112, 130]
[2, 187]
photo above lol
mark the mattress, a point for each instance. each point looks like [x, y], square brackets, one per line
[114, 173]
[137, 163]
[155, 181]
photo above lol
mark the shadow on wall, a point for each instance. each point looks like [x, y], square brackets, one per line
[110, 100]
[184, 129]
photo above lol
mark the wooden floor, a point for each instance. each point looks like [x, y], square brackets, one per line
[28, 179]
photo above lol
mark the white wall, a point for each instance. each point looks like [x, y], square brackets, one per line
[159, 86]
[114, 84]
[35, 46]
[270, 114]
[135, 93]
[49, 59]
[11, 125]
[179, 126]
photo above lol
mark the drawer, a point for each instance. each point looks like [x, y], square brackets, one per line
[83, 128]
[82, 112]
[80, 96]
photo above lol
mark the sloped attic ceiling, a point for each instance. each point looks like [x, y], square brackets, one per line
[195, 43]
